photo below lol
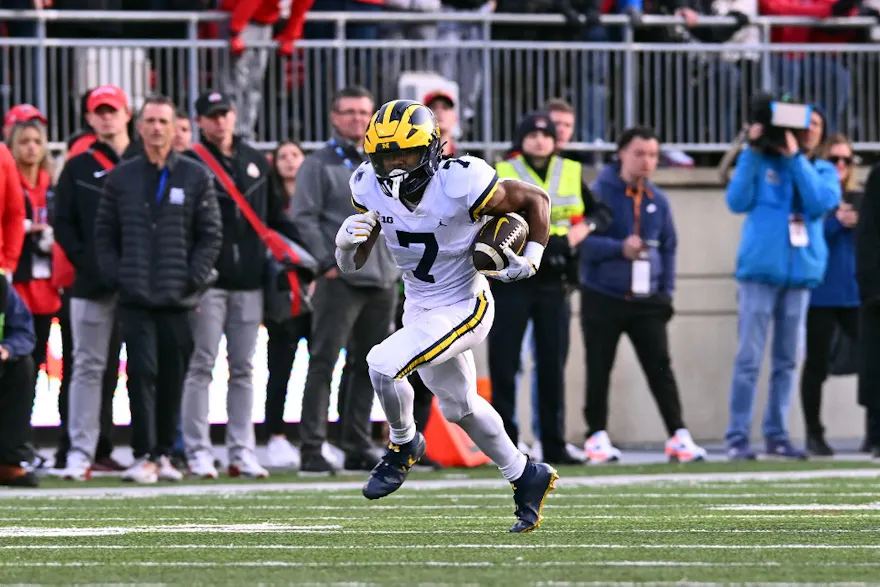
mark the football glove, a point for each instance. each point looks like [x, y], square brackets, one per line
[517, 268]
[356, 230]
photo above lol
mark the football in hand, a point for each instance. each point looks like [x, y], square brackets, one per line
[510, 230]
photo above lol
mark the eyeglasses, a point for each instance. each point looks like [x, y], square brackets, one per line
[835, 159]
[366, 113]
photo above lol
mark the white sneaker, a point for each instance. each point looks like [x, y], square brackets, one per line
[334, 455]
[575, 452]
[79, 468]
[201, 465]
[599, 450]
[525, 449]
[142, 471]
[245, 464]
[682, 448]
[282, 454]
[537, 452]
[167, 472]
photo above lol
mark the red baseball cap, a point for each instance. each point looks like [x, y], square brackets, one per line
[107, 95]
[438, 95]
[23, 113]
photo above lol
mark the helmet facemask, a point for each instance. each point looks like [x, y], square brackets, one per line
[405, 173]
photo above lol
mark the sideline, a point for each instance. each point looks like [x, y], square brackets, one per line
[81, 490]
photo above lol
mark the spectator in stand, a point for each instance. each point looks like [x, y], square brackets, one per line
[18, 114]
[95, 334]
[392, 60]
[16, 386]
[81, 141]
[834, 303]
[157, 234]
[32, 278]
[12, 213]
[252, 21]
[284, 337]
[442, 105]
[183, 132]
[234, 304]
[820, 76]
[562, 114]
[359, 31]
[462, 66]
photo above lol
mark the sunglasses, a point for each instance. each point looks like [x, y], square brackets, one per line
[835, 159]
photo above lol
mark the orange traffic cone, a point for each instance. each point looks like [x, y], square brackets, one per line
[448, 444]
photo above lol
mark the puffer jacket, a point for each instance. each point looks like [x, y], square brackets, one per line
[157, 240]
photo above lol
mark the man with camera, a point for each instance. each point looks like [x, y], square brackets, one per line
[781, 256]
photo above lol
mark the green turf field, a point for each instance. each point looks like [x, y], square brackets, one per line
[763, 522]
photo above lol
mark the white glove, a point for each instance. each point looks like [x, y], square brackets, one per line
[519, 267]
[356, 230]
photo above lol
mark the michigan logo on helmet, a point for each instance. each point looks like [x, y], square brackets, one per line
[403, 144]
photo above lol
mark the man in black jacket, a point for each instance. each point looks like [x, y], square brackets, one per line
[90, 330]
[158, 234]
[868, 276]
[234, 305]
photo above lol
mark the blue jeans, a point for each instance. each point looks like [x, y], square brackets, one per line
[760, 304]
[593, 103]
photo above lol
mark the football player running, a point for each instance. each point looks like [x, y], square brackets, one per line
[429, 211]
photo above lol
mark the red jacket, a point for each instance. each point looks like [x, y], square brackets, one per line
[813, 8]
[11, 211]
[267, 12]
[41, 296]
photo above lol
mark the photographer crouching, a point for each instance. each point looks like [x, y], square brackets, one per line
[785, 196]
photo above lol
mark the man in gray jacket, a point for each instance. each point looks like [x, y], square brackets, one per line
[354, 310]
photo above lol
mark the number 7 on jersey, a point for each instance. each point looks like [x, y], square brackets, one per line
[422, 271]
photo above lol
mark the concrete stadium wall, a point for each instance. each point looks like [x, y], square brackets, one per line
[702, 338]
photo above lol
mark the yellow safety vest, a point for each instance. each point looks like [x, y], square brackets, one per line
[563, 183]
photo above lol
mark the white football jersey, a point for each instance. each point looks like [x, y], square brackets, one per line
[432, 244]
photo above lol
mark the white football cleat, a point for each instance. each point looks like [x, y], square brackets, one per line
[167, 472]
[282, 454]
[245, 464]
[142, 471]
[681, 448]
[79, 468]
[201, 465]
[599, 450]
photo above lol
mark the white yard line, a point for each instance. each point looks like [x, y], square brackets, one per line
[31, 531]
[796, 507]
[305, 547]
[567, 496]
[690, 584]
[82, 490]
[343, 530]
[428, 564]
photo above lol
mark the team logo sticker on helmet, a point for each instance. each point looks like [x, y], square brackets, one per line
[403, 144]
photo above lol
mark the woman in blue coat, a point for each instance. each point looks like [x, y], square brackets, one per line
[834, 303]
